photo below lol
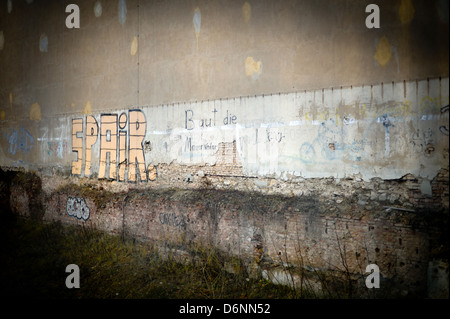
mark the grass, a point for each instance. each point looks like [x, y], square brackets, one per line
[34, 256]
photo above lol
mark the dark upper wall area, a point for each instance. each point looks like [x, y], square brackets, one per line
[130, 52]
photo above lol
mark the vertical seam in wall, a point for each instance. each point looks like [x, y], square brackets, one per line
[63, 64]
[138, 49]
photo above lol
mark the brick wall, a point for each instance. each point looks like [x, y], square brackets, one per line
[332, 231]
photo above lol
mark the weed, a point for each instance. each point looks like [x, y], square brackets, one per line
[35, 255]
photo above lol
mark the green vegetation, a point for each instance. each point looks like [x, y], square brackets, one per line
[34, 256]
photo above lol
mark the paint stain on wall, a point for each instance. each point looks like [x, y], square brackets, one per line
[134, 46]
[383, 52]
[247, 12]
[151, 172]
[9, 6]
[197, 20]
[87, 108]
[252, 68]
[43, 43]
[98, 9]
[2, 115]
[2, 40]
[122, 11]
[35, 112]
[406, 12]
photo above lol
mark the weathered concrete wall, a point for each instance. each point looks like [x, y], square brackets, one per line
[202, 80]
[381, 131]
[145, 53]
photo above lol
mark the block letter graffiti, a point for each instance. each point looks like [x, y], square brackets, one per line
[77, 145]
[137, 128]
[108, 145]
[121, 145]
[91, 139]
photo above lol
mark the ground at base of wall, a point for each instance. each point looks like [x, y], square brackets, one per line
[35, 256]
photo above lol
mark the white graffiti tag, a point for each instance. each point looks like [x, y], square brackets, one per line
[78, 208]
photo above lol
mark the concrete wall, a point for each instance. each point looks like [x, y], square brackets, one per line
[386, 131]
[353, 109]
[294, 98]
[147, 53]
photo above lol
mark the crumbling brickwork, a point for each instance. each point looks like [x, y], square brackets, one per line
[336, 235]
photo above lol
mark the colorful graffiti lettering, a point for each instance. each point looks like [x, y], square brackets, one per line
[121, 145]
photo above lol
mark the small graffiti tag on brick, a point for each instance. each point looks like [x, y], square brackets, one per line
[77, 207]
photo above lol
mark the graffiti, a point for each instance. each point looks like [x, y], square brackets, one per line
[443, 128]
[348, 120]
[77, 145]
[331, 144]
[326, 139]
[190, 122]
[307, 153]
[91, 139]
[121, 145]
[19, 141]
[386, 121]
[108, 145]
[422, 141]
[431, 105]
[57, 149]
[275, 136]
[189, 147]
[172, 220]
[77, 207]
